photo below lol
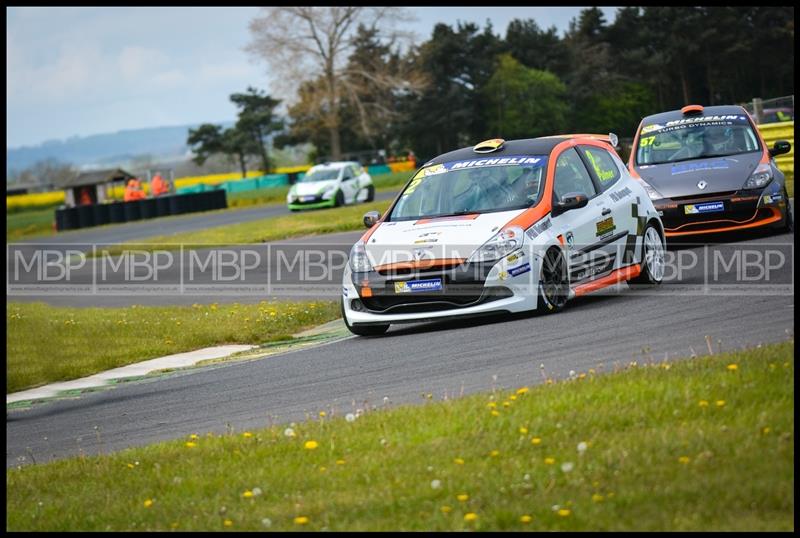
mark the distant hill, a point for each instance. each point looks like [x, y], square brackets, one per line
[106, 149]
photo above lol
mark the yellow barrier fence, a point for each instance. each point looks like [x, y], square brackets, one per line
[781, 131]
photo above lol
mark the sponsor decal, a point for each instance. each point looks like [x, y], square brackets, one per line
[344, 291]
[516, 271]
[415, 286]
[428, 240]
[708, 207]
[702, 184]
[620, 194]
[606, 227]
[570, 239]
[538, 228]
[308, 198]
[497, 161]
[685, 168]
[502, 275]
[772, 198]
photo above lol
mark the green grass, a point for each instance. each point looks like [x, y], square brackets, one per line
[47, 343]
[377, 472]
[302, 223]
[33, 222]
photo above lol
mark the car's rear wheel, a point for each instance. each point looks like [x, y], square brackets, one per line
[339, 200]
[370, 193]
[363, 330]
[554, 282]
[652, 258]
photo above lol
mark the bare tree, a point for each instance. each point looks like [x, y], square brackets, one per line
[302, 44]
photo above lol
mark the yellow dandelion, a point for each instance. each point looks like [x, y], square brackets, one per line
[765, 430]
[549, 461]
[470, 516]
[525, 519]
[458, 461]
[130, 466]
[597, 498]
[494, 453]
[564, 512]
[536, 441]
[495, 413]
[148, 503]
[247, 494]
[340, 462]
[703, 403]
[684, 460]
[311, 445]
[720, 403]
[190, 444]
[506, 404]
[522, 390]
[323, 414]
[323, 469]
[247, 434]
[463, 497]
[228, 523]
[733, 367]
[491, 405]
[523, 430]
[300, 520]
[513, 397]
[446, 509]
[194, 436]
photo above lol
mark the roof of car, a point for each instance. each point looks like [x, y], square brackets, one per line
[720, 110]
[334, 164]
[526, 146]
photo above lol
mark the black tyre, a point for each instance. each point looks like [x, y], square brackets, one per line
[652, 261]
[370, 194]
[554, 282]
[363, 330]
[339, 199]
[788, 225]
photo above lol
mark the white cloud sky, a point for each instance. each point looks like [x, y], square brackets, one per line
[82, 71]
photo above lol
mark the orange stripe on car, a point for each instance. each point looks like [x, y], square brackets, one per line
[452, 217]
[421, 264]
[618, 275]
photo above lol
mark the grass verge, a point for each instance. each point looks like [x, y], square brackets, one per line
[83, 341]
[29, 223]
[700, 444]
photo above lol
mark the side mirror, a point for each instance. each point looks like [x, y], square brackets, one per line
[780, 147]
[571, 200]
[370, 218]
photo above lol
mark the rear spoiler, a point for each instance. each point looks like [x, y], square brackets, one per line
[611, 138]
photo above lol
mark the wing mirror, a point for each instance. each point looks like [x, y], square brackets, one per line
[571, 200]
[370, 218]
[780, 147]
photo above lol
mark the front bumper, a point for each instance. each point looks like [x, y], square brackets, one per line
[467, 290]
[743, 209]
[316, 203]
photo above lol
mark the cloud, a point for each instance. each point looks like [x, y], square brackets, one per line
[136, 62]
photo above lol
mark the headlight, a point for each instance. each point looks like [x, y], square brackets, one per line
[759, 178]
[651, 192]
[502, 244]
[359, 262]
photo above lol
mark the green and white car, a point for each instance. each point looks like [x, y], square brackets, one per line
[331, 184]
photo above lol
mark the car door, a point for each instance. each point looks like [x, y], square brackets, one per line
[349, 184]
[617, 228]
[576, 227]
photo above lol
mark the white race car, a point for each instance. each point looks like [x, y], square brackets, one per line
[331, 185]
[505, 226]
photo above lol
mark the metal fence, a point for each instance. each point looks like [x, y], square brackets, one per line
[771, 110]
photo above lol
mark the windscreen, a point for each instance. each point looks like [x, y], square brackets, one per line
[695, 138]
[320, 174]
[473, 186]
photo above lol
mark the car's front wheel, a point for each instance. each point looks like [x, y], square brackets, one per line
[652, 258]
[339, 200]
[363, 330]
[370, 194]
[554, 282]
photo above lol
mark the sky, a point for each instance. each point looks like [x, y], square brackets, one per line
[83, 71]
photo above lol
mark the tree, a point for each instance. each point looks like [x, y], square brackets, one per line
[257, 118]
[524, 102]
[540, 49]
[313, 43]
[235, 143]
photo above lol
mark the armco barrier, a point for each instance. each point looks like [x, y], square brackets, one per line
[780, 131]
[94, 215]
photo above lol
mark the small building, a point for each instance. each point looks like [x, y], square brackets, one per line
[93, 187]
